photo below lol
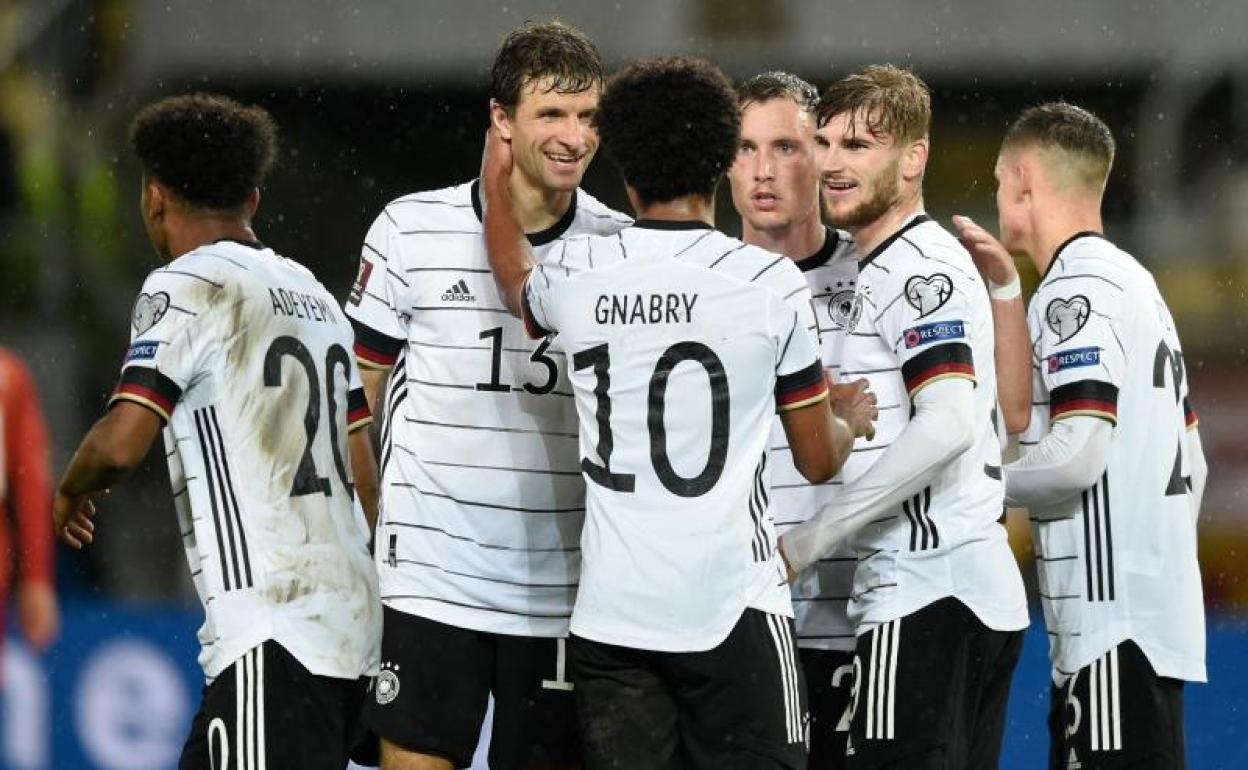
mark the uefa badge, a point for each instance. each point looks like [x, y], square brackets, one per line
[927, 294]
[1067, 316]
[148, 310]
[387, 684]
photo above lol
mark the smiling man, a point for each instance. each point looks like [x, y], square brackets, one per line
[478, 548]
[937, 601]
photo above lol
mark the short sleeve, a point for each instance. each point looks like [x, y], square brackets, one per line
[800, 379]
[541, 288]
[1081, 356]
[925, 317]
[169, 328]
[534, 302]
[376, 296]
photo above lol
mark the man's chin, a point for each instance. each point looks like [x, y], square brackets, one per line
[563, 182]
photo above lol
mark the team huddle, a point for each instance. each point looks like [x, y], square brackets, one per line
[671, 499]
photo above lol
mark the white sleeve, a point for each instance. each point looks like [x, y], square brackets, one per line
[1068, 460]
[1198, 468]
[939, 431]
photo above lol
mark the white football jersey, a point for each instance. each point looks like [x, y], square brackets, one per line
[683, 342]
[1117, 561]
[246, 357]
[921, 313]
[482, 498]
[821, 593]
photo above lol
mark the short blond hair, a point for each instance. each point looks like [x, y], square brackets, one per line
[1083, 142]
[892, 101]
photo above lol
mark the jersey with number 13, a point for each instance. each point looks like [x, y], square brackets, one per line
[482, 501]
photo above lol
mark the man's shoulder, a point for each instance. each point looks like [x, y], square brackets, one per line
[1092, 263]
[593, 211]
[922, 251]
[433, 209]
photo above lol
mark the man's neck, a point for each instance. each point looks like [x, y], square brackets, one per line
[1058, 224]
[536, 208]
[871, 235]
[690, 208]
[797, 242]
[201, 229]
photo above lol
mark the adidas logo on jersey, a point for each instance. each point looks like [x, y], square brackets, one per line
[458, 293]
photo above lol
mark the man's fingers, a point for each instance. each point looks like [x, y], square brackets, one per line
[69, 539]
[79, 532]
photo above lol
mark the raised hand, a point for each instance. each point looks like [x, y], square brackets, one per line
[991, 258]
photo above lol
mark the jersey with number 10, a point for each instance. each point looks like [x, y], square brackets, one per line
[482, 501]
[682, 344]
[247, 358]
[1117, 561]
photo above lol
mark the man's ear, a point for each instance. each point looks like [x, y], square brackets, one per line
[1027, 180]
[157, 200]
[914, 160]
[253, 203]
[500, 119]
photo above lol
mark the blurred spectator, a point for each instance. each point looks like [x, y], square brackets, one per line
[26, 506]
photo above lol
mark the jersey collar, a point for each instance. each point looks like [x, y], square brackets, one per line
[257, 245]
[1058, 251]
[914, 222]
[672, 224]
[542, 237]
[831, 239]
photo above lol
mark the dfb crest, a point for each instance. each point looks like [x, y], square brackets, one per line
[839, 307]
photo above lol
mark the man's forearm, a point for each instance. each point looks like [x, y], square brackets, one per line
[511, 257]
[940, 431]
[1069, 459]
[1013, 362]
[114, 446]
[92, 468]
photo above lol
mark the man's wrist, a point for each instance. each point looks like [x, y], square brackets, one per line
[1005, 291]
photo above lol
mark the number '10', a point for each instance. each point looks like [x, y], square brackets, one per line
[598, 358]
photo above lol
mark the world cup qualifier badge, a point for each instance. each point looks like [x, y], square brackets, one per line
[148, 310]
[1066, 317]
[927, 294]
[386, 688]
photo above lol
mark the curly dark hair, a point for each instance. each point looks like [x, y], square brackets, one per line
[549, 50]
[211, 150]
[672, 125]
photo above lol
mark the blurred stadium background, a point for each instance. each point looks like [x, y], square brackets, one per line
[377, 98]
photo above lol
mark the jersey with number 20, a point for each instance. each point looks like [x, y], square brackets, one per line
[247, 358]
